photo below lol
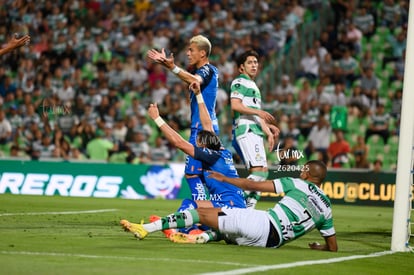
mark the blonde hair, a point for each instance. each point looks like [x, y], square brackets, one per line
[202, 43]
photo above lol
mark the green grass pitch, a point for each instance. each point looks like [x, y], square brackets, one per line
[62, 235]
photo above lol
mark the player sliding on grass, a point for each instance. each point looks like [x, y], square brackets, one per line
[303, 208]
[211, 154]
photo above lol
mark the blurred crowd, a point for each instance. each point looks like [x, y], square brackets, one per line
[80, 90]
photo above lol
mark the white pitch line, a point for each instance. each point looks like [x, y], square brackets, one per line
[66, 255]
[59, 213]
[296, 264]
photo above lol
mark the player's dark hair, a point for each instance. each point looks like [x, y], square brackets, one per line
[210, 139]
[243, 57]
[317, 169]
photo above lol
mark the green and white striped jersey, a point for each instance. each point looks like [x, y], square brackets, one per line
[303, 208]
[247, 91]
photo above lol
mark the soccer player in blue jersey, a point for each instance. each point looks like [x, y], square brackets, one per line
[303, 208]
[206, 75]
[213, 157]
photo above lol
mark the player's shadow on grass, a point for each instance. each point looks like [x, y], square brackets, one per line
[372, 239]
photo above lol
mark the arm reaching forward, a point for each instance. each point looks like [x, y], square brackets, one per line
[245, 184]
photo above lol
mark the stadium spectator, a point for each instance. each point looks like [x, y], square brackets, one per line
[319, 139]
[100, 148]
[308, 116]
[367, 61]
[309, 66]
[256, 222]
[287, 152]
[338, 97]
[365, 22]
[377, 166]
[338, 150]
[398, 43]
[396, 104]
[349, 66]
[369, 81]
[389, 14]
[355, 37]
[379, 123]
[291, 130]
[358, 99]
[5, 130]
[360, 153]
[284, 88]
[326, 66]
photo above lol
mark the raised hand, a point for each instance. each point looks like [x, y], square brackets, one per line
[195, 87]
[161, 58]
[153, 111]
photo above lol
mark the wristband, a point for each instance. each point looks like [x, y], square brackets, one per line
[200, 98]
[176, 70]
[159, 121]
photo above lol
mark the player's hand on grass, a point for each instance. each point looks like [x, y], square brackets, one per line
[317, 246]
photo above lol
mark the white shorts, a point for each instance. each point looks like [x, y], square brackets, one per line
[252, 149]
[244, 226]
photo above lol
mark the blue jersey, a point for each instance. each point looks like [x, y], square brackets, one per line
[220, 161]
[209, 87]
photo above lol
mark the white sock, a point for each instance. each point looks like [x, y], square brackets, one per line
[153, 226]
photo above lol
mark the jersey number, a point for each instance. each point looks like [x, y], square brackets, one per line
[306, 212]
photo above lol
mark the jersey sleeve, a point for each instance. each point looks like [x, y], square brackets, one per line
[283, 185]
[206, 73]
[327, 229]
[206, 156]
[236, 90]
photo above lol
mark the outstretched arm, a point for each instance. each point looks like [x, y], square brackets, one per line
[15, 43]
[204, 115]
[169, 133]
[168, 62]
[245, 184]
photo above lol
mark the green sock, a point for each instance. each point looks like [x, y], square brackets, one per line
[180, 219]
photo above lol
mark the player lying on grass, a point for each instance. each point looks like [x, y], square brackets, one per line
[303, 208]
[211, 154]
